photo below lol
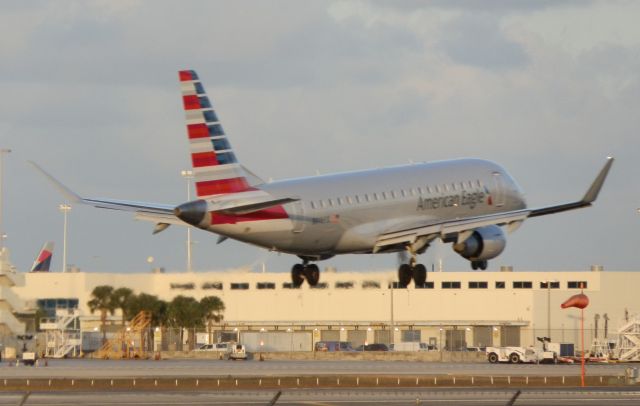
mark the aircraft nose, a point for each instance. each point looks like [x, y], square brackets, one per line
[191, 212]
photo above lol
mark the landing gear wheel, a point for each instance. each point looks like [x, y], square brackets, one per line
[404, 275]
[419, 274]
[482, 265]
[297, 275]
[312, 274]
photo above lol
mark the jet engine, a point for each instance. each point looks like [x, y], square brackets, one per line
[485, 243]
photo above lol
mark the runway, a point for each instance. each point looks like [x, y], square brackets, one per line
[101, 369]
[331, 397]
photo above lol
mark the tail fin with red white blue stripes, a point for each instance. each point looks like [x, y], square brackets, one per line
[43, 260]
[216, 169]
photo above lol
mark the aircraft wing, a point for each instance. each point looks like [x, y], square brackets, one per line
[462, 229]
[458, 227]
[164, 213]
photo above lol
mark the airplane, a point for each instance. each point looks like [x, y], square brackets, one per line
[467, 202]
[43, 260]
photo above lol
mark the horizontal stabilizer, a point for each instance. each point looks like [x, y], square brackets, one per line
[113, 204]
[245, 206]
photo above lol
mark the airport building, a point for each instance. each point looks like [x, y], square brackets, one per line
[451, 311]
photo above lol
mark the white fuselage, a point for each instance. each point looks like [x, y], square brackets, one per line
[346, 212]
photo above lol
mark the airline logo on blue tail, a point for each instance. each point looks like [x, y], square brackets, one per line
[43, 261]
[214, 162]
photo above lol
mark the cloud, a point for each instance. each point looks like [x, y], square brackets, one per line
[89, 90]
[479, 41]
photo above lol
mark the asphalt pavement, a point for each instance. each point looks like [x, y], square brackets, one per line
[107, 369]
[332, 397]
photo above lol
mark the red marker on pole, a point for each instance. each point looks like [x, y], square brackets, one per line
[579, 301]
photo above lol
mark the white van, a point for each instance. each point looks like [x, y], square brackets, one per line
[412, 346]
[238, 351]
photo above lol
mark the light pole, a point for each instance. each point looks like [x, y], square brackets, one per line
[3, 151]
[548, 282]
[64, 208]
[188, 175]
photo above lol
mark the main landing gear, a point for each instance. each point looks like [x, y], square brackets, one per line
[303, 271]
[417, 272]
[412, 270]
[481, 265]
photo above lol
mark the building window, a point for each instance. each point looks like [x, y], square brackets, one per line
[239, 286]
[478, 285]
[289, 285]
[344, 285]
[522, 285]
[411, 336]
[370, 285]
[500, 285]
[183, 286]
[426, 285]
[577, 284]
[266, 285]
[49, 306]
[450, 285]
[321, 285]
[212, 285]
[554, 285]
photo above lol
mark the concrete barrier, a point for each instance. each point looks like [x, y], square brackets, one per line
[431, 356]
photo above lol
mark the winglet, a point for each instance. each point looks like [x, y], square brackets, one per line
[592, 193]
[68, 193]
[587, 199]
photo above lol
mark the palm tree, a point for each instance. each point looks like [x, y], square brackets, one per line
[102, 300]
[121, 299]
[150, 303]
[212, 308]
[185, 312]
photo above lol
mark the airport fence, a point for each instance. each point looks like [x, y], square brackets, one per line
[441, 338]
[445, 338]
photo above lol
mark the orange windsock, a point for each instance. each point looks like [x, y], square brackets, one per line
[580, 301]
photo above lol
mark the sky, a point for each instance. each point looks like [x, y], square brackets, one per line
[89, 90]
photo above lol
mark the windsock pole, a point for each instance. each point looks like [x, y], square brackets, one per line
[582, 339]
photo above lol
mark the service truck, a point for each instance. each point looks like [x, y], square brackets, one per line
[513, 355]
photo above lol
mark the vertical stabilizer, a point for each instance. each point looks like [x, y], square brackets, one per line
[215, 167]
[43, 261]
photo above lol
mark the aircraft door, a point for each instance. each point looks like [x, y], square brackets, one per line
[499, 197]
[297, 217]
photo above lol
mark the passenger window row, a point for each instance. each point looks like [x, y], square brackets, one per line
[397, 194]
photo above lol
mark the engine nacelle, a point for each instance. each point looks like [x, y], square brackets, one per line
[485, 243]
